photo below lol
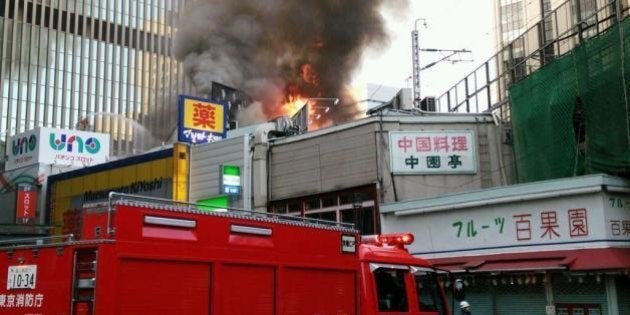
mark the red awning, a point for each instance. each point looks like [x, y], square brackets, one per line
[580, 259]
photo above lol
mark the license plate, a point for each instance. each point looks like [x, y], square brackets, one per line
[22, 277]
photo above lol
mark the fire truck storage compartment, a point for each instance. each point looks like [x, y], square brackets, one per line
[190, 288]
[223, 264]
[162, 287]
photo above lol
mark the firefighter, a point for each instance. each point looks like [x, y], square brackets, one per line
[465, 308]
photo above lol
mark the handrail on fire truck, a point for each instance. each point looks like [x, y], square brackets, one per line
[164, 204]
[36, 241]
[183, 206]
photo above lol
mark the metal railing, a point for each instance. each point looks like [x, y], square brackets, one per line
[115, 199]
[485, 89]
[38, 241]
[182, 206]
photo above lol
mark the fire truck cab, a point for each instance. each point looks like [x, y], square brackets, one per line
[149, 256]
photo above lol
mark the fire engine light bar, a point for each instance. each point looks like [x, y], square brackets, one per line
[250, 230]
[398, 239]
[170, 222]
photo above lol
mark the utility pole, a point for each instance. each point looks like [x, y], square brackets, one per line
[415, 43]
[416, 61]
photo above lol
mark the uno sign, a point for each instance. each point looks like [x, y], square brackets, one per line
[24, 145]
[57, 147]
[74, 143]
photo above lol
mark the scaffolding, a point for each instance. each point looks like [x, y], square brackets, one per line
[559, 31]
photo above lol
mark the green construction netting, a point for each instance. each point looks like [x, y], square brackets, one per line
[570, 117]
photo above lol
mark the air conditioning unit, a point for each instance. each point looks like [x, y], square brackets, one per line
[428, 104]
[402, 100]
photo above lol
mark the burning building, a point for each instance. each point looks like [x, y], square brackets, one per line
[281, 53]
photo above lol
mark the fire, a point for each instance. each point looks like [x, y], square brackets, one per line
[293, 104]
[304, 86]
[305, 89]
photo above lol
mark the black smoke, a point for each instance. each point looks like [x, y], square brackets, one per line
[262, 46]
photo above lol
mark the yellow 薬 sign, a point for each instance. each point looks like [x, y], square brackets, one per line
[206, 116]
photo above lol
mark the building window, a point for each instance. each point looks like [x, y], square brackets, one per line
[355, 206]
[280, 208]
[312, 204]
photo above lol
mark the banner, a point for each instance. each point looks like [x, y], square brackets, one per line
[26, 203]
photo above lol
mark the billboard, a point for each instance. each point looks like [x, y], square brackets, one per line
[60, 147]
[200, 121]
[433, 152]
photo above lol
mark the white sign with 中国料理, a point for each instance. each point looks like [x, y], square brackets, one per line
[433, 152]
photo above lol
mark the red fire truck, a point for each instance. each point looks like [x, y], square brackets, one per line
[141, 256]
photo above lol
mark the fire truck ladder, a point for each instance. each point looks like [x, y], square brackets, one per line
[84, 281]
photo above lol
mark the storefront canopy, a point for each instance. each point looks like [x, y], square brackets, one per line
[573, 260]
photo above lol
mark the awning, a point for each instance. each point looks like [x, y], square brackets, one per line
[580, 259]
[521, 265]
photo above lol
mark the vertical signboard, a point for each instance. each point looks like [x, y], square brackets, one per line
[230, 180]
[26, 203]
[433, 152]
[200, 121]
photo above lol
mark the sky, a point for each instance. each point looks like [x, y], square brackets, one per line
[451, 24]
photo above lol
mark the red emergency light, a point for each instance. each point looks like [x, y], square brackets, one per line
[398, 240]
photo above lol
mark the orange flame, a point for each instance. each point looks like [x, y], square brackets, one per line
[293, 104]
[295, 96]
[303, 90]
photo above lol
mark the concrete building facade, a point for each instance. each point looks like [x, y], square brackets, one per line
[343, 173]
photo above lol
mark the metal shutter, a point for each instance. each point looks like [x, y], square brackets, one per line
[583, 289]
